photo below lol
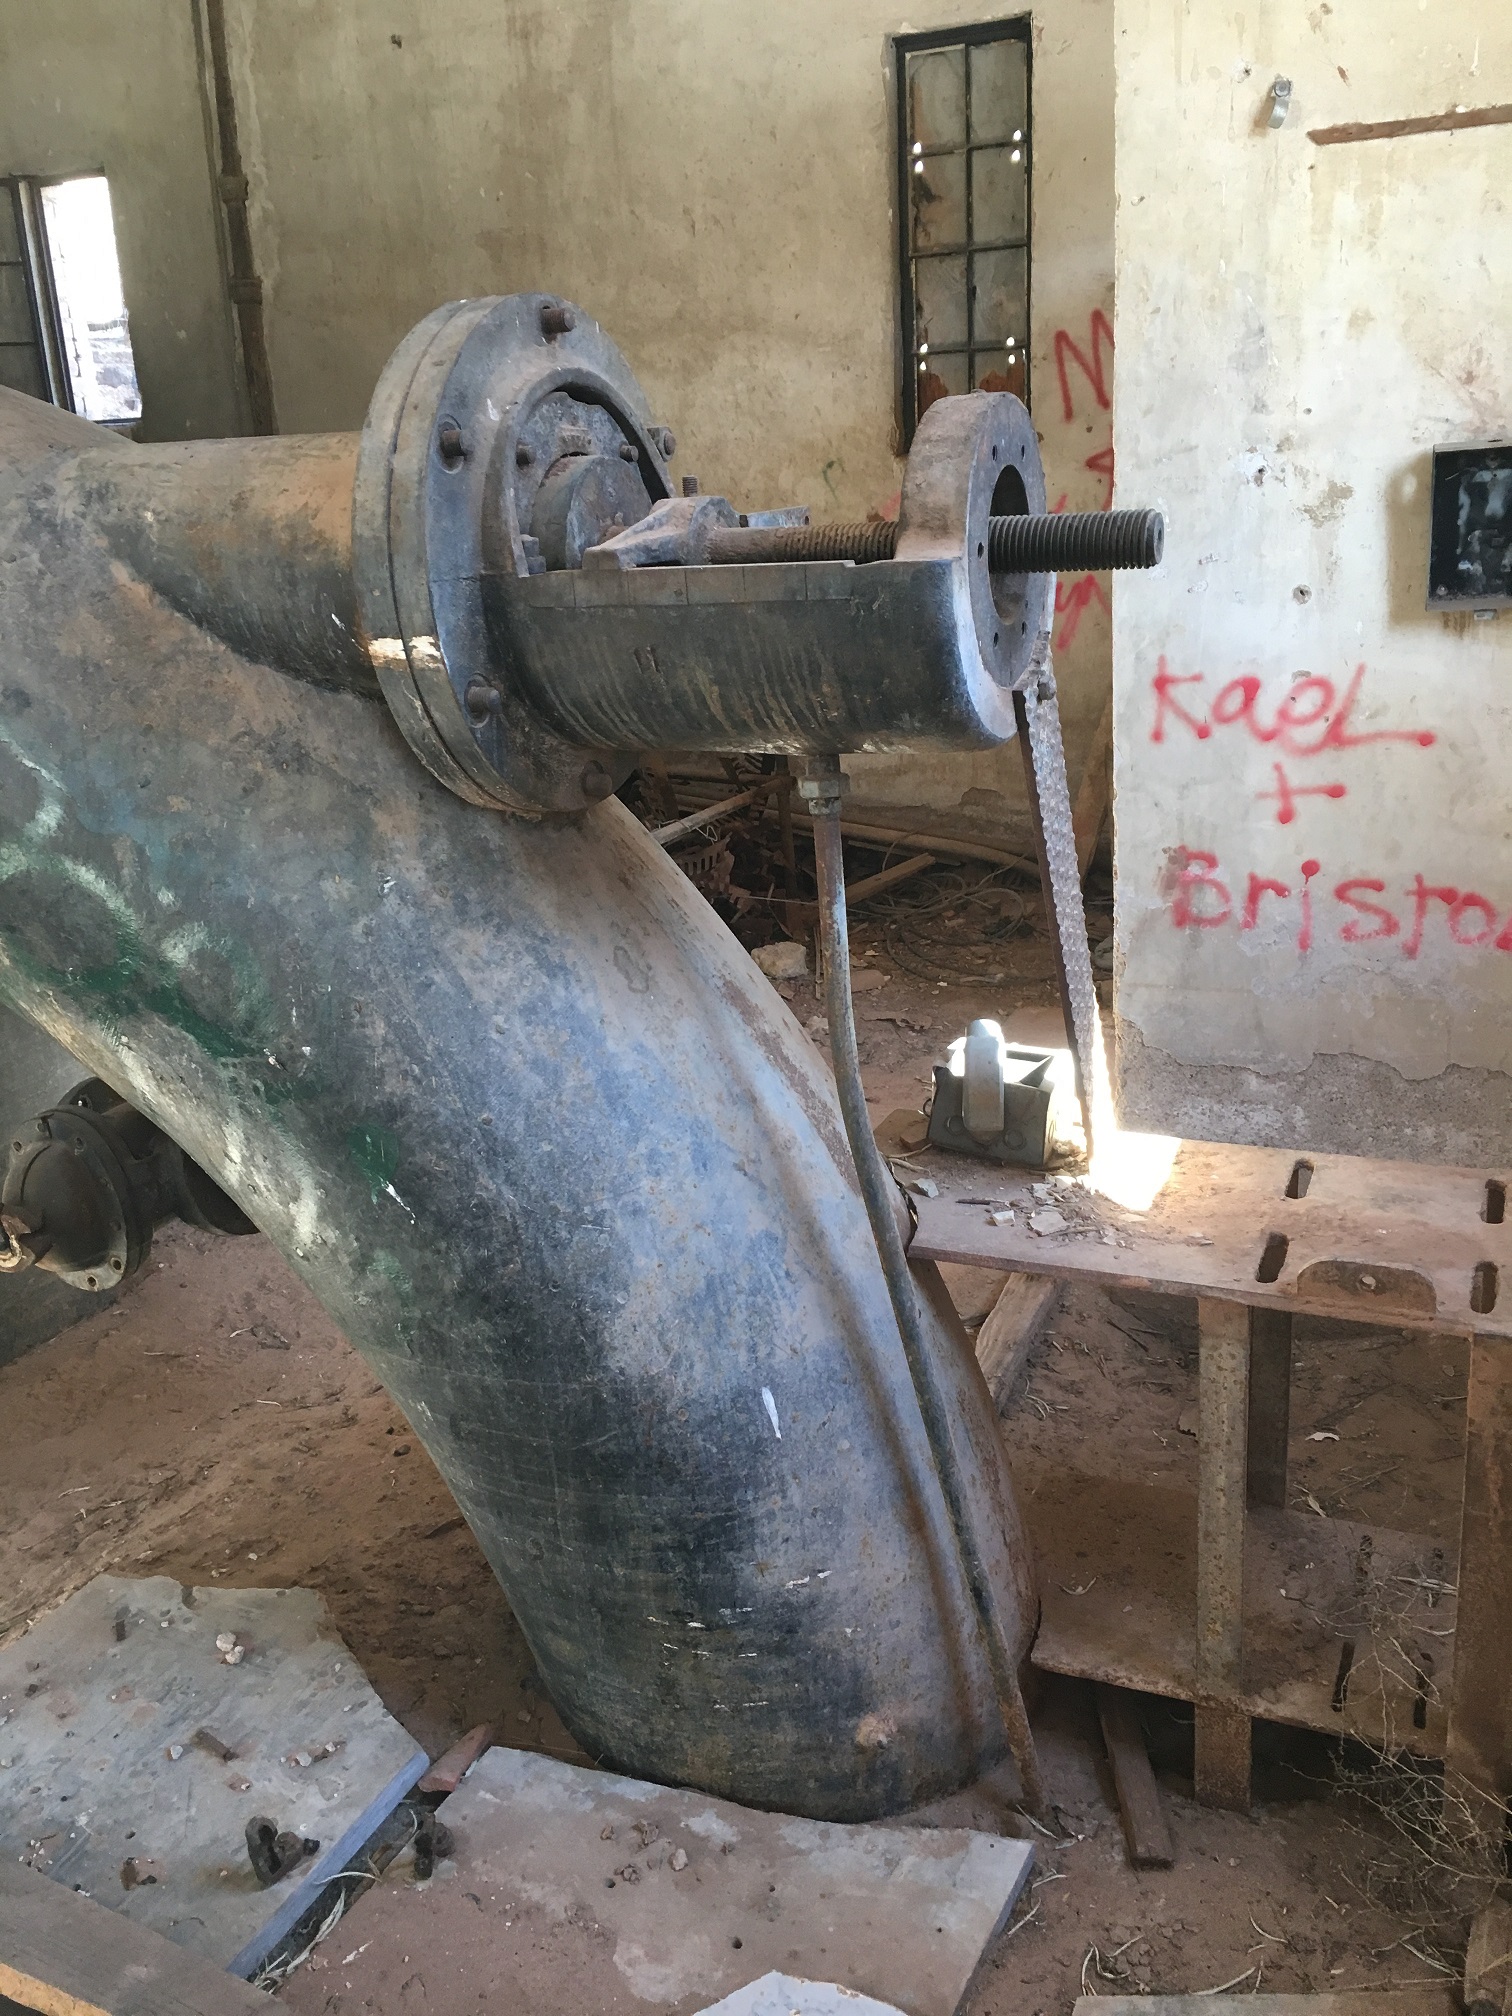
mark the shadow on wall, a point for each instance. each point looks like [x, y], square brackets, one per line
[1409, 510]
[35, 1072]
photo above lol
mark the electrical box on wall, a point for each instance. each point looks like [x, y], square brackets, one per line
[1470, 545]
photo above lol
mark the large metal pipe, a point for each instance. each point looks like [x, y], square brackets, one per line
[523, 1115]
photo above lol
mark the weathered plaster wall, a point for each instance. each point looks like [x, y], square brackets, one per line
[114, 85]
[715, 184]
[1314, 834]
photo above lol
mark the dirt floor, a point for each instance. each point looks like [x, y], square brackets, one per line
[213, 1426]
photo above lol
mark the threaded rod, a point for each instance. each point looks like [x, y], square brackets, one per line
[1045, 542]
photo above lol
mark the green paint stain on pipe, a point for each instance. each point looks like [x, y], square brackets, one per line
[376, 1153]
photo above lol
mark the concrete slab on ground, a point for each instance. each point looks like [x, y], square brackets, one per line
[782, 1995]
[573, 1889]
[132, 1755]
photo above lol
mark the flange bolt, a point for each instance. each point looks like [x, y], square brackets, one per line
[557, 320]
[481, 699]
[596, 782]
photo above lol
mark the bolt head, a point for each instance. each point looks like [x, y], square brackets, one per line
[481, 700]
[629, 452]
[449, 443]
[666, 440]
[557, 319]
[595, 782]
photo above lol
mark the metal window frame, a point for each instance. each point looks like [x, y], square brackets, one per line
[41, 287]
[1012, 28]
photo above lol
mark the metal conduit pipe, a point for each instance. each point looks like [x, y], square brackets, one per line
[820, 784]
[512, 1102]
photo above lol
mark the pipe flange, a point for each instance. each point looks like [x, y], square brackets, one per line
[68, 1178]
[487, 409]
[974, 459]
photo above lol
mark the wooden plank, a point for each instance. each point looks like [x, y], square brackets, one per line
[1270, 1349]
[887, 878]
[1337, 2002]
[1095, 791]
[453, 1765]
[1379, 1242]
[64, 1955]
[1488, 1959]
[679, 828]
[1480, 1737]
[1010, 1330]
[1222, 1772]
[1398, 129]
[1144, 1820]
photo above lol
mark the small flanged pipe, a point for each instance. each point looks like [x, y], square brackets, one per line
[820, 786]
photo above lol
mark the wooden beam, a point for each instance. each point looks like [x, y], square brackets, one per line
[1145, 1829]
[1337, 2002]
[64, 1955]
[665, 835]
[873, 885]
[453, 1765]
[1010, 1330]
[1398, 129]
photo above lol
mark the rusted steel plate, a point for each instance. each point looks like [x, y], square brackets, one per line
[1118, 1576]
[1223, 1409]
[1423, 1246]
[1480, 1723]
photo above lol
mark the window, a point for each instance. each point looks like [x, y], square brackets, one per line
[63, 333]
[963, 212]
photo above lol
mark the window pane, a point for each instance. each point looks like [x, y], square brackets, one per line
[998, 371]
[937, 98]
[939, 201]
[15, 308]
[942, 376]
[940, 295]
[999, 194]
[87, 280]
[999, 91]
[1000, 295]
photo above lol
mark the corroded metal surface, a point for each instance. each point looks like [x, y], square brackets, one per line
[545, 1142]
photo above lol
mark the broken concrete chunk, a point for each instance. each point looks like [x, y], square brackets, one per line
[787, 1995]
[782, 960]
[1048, 1222]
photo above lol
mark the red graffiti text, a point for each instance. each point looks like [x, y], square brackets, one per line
[1203, 896]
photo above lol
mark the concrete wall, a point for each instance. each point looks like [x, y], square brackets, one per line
[115, 85]
[715, 184]
[1315, 877]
